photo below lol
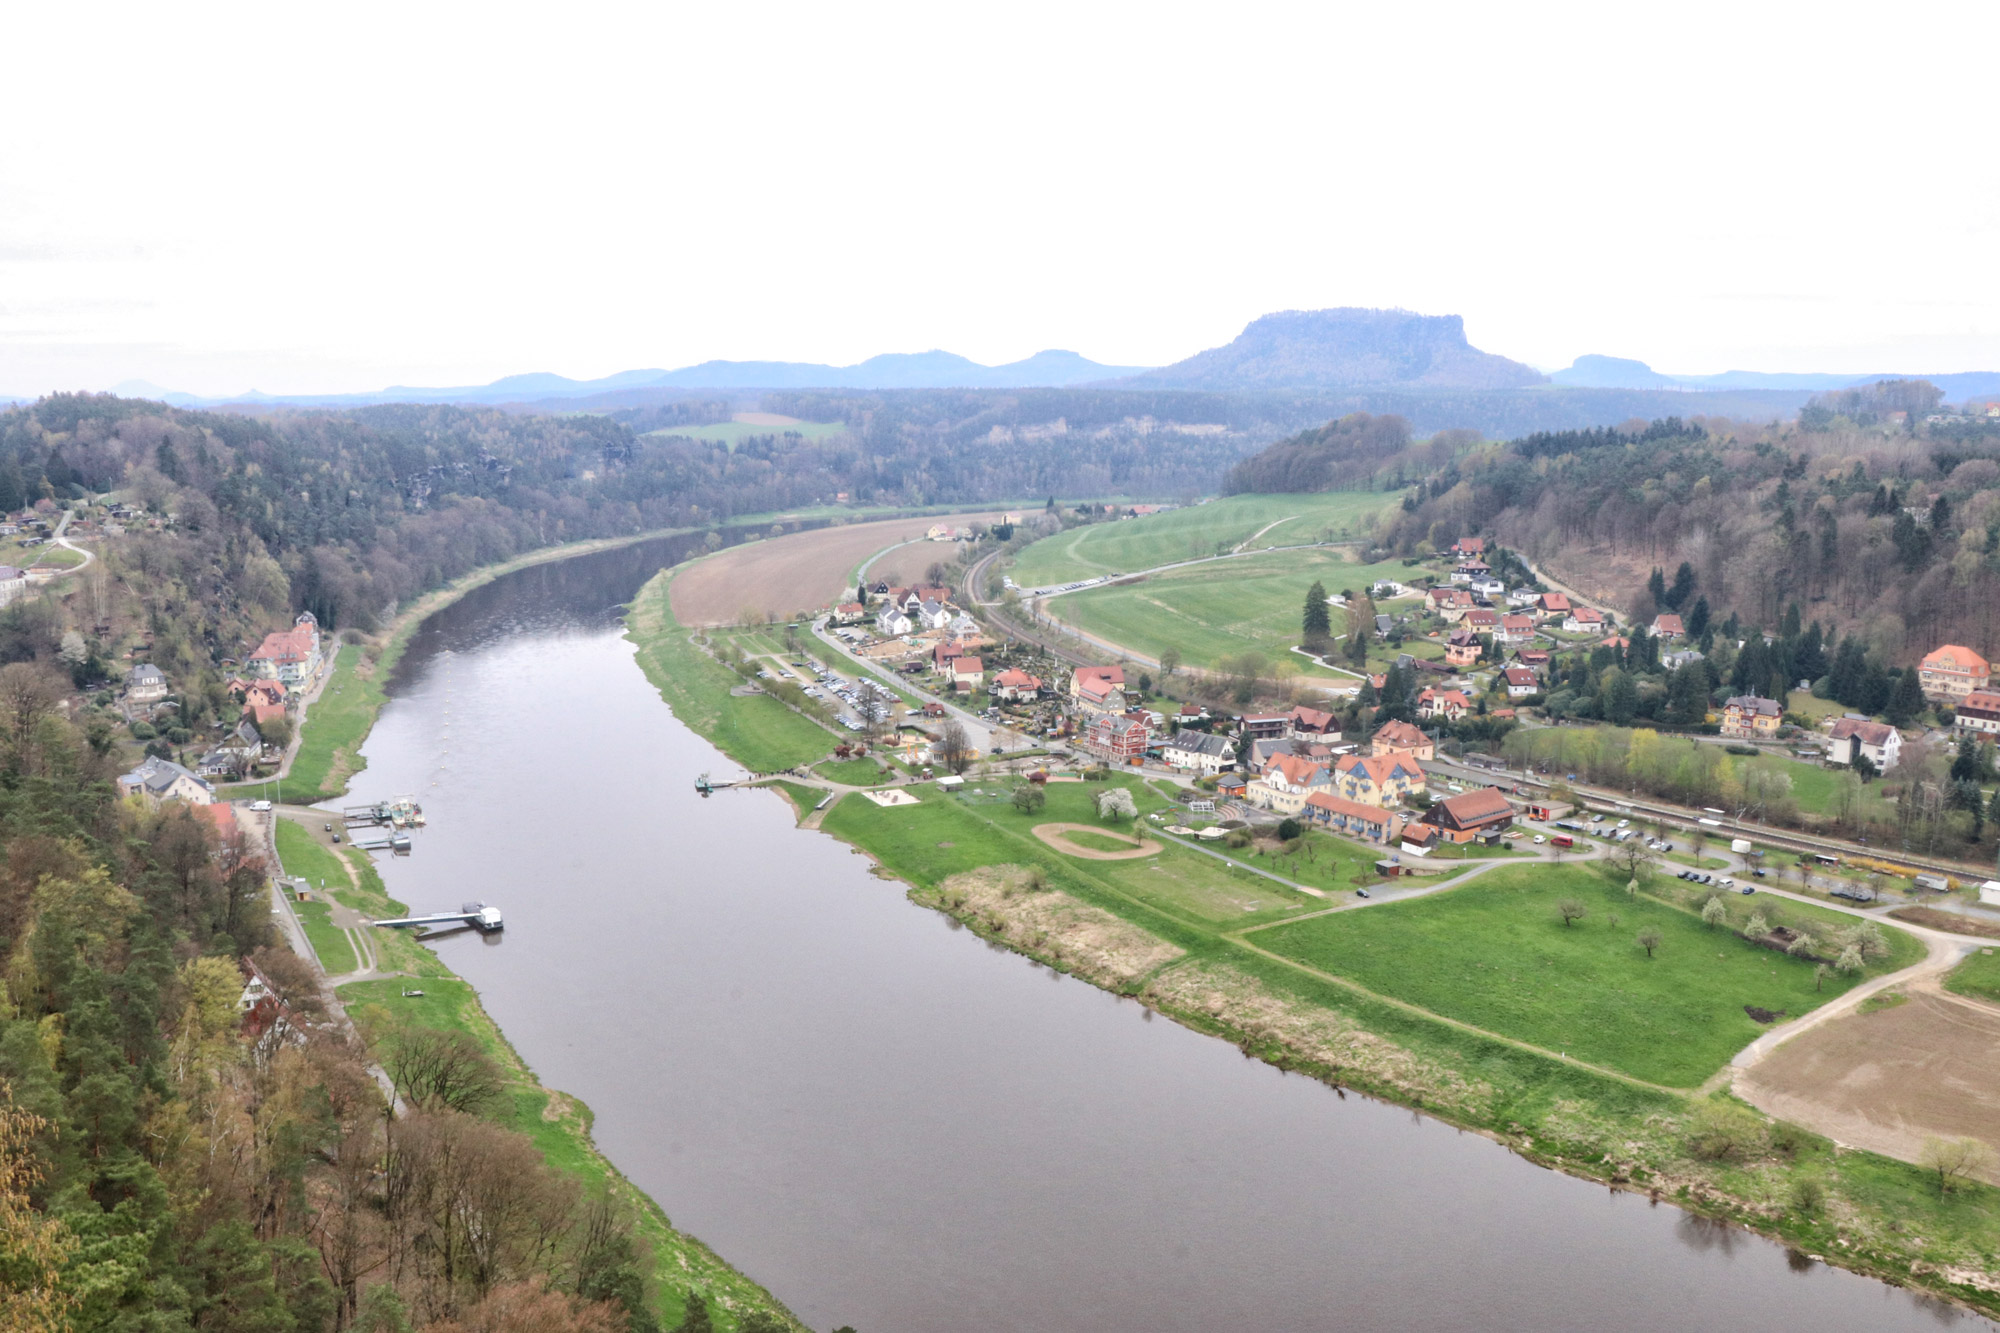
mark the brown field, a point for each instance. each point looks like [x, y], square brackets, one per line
[1885, 1081]
[804, 571]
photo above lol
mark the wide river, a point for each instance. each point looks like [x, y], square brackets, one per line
[895, 1126]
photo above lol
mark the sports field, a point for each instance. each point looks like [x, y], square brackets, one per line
[1221, 609]
[746, 424]
[1198, 531]
[1497, 954]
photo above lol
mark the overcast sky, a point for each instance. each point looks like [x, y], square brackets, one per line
[320, 198]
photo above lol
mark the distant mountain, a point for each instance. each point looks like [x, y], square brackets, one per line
[1613, 372]
[1617, 372]
[892, 370]
[1346, 348]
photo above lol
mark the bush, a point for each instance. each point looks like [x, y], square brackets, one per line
[1237, 839]
[1289, 830]
[1722, 1131]
[143, 731]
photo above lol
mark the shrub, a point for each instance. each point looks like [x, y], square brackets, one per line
[1289, 830]
[1721, 1131]
[143, 731]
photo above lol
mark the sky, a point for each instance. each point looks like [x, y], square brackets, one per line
[311, 199]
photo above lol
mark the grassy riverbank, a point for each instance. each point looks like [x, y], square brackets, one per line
[756, 730]
[559, 1125]
[1389, 1000]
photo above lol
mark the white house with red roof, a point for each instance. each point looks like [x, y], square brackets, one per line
[291, 656]
[1014, 685]
[1952, 672]
[1667, 625]
[1882, 743]
[1583, 620]
[1450, 705]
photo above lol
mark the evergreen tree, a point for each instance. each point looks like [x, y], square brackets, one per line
[1906, 700]
[1788, 625]
[1697, 621]
[1876, 687]
[1810, 656]
[1965, 764]
[1683, 588]
[1657, 586]
[1621, 698]
[1687, 695]
[1316, 625]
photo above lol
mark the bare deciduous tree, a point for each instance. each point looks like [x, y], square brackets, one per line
[953, 748]
[1649, 940]
[1954, 1160]
[442, 1070]
[1571, 911]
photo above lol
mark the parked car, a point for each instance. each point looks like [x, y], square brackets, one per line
[1747, 890]
[261, 807]
[1726, 882]
[1540, 839]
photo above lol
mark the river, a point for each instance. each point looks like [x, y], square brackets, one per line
[895, 1126]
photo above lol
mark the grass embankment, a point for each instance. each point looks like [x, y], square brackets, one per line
[1196, 532]
[1496, 953]
[1522, 980]
[756, 730]
[854, 772]
[1978, 976]
[803, 799]
[560, 1128]
[321, 869]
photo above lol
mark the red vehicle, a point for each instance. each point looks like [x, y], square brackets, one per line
[1563, 840]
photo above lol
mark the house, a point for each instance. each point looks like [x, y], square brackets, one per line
[967, 674]
[1286, 781]
[1979, 712]
[1266, 726]
[1312, 722]
[1231, 786]
[13, 582]
[1198, 752]
[932, 615]
[1400, 738]
[938, 532]
[1463, 648]
[261, 715]
[236, 752]
[1583, 620]
[1469, 571]
[1450, 603]
[1469, 814]
[292, 656]
[1952, 672]
[1117, 739]
[1516, 629]
[892, 622]
[849, 611]
[1554, 605]
[1488, 587]
[1418, 838]
[1351, 817]
[1668, 626]
[1450, 705]
[963, 626]
[1014, 685]
[1535, 659]
[1382, 781]
[1469, 547]
[1751, 718]
[1482, 621]
[164, 780]
[1520, 682]
[146, 685]
[1098, 689]
[1679, 658]
[944, 653]
[1882, 743]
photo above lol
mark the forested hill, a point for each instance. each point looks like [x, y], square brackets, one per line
[1860, 518]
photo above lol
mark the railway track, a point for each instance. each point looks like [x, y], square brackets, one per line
[1685, 818]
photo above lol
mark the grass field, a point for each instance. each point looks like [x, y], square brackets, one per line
[756, 730]
[1219, 610]
[853, 772]
[1496, 954]
[948, 834]
[1978, 976]
[1193, 533]
[734, 433]
[1322, 861]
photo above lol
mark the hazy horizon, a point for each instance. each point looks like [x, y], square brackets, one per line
[256, 199]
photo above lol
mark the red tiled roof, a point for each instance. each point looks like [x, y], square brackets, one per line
[1473, 807]
[1956, 657]
[1401, 733]
[1870, 733]
[1340, 805]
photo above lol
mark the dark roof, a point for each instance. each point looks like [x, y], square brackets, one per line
[1470, 809]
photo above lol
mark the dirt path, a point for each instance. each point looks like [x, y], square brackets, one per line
[1244, 545]
[1052, 834]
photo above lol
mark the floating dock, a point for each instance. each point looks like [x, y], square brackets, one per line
[476, 915]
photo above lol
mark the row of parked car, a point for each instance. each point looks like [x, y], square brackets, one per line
[1719, 881]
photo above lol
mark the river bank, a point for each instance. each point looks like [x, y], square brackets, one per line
[559, 1125]
[1712, 1156]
